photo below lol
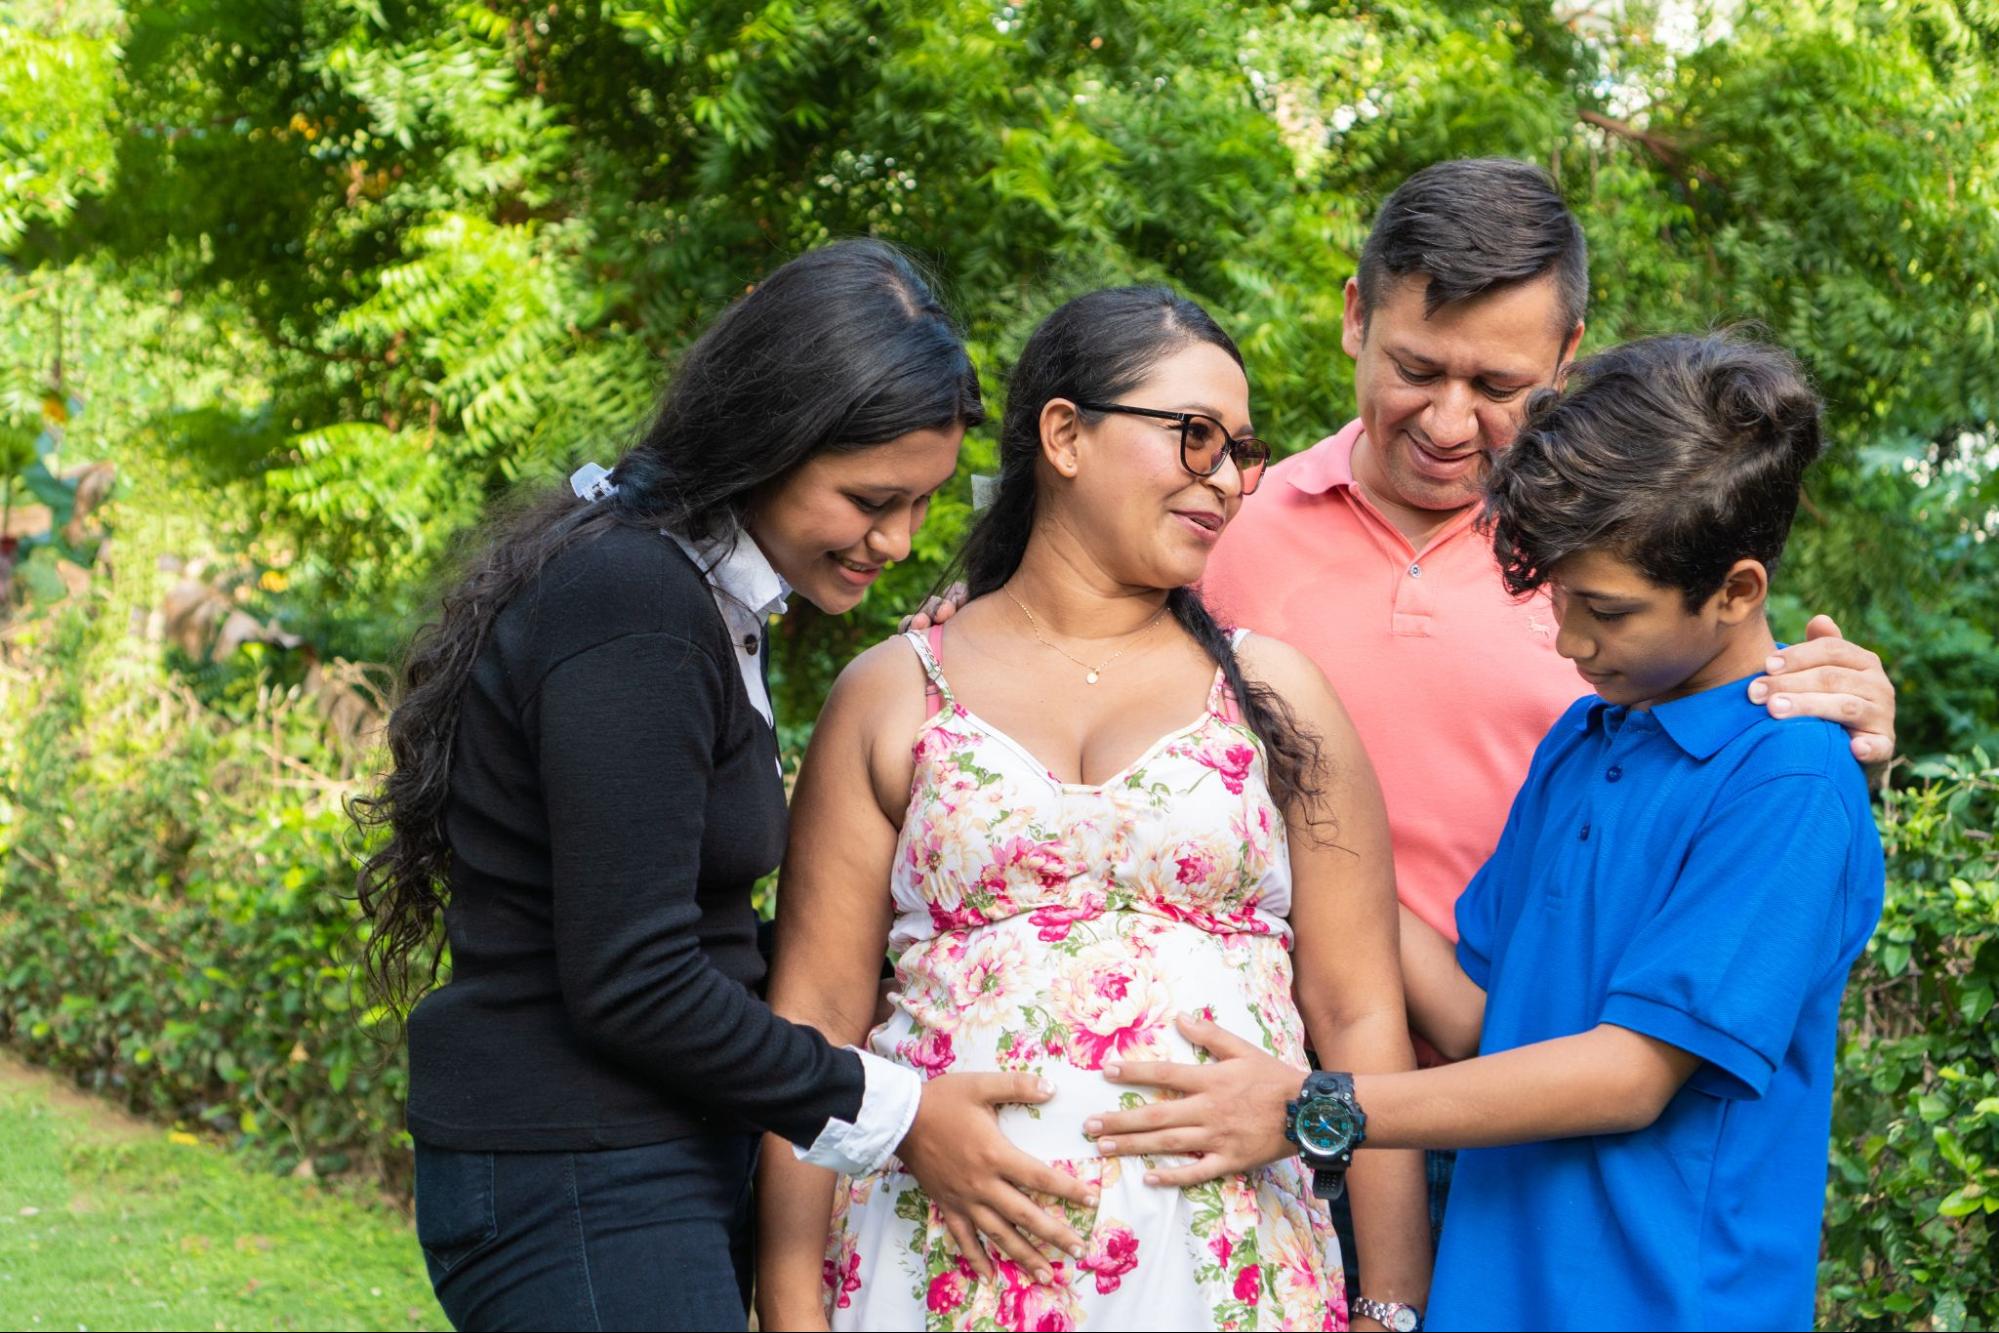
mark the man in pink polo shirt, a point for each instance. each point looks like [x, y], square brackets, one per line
[1450, 682]
[1362, 551]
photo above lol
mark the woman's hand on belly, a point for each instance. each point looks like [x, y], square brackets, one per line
[978, 1179]
[1229, 1115]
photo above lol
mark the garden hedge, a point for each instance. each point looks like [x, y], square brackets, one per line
[175, 935]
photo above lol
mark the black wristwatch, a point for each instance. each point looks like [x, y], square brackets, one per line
[1327, 1124]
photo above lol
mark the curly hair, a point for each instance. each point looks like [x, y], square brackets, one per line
[1681, 454]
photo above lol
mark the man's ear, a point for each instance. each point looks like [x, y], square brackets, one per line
[1569, 346]
[1061, 431]
[1744, 590]
[1353, 323]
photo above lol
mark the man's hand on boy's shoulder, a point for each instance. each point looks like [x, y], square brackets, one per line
[1826, 676]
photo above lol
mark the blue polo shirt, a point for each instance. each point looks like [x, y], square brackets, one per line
[1705, 875]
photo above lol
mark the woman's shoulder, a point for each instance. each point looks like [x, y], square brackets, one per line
[625, 564]
[609, 585]
[889, 673]
[1292, 675]
[1287, 670]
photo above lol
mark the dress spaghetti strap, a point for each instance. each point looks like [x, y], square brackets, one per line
[929, 651]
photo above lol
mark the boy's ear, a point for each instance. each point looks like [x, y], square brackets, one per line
[1744, 589]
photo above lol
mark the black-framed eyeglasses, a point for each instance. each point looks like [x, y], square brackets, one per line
[1204, 443]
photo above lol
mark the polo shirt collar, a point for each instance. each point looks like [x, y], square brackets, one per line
[1328, 464]
[1700, 724]
[1703, 723]
[736, 566]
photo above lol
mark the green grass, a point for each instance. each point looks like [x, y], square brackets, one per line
[106, 1223]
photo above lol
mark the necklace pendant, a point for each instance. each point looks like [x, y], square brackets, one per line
[1090, 679]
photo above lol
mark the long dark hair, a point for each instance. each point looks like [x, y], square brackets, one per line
[843, 348]
[1097, 348]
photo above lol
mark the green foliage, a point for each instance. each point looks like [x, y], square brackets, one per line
[329, 278]
[174, 933]
[1912, 1219]
[447, 244]
[55, 87]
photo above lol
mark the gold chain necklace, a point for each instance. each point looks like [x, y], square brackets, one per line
[1093, 671]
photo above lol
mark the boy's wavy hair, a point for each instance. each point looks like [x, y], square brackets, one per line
[1680, 454]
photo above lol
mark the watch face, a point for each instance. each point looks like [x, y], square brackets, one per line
[1404, 1321]
[1325, 1126]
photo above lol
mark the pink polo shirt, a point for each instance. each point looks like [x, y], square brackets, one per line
[1450, 681]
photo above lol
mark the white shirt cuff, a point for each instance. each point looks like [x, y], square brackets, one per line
[888, 1108]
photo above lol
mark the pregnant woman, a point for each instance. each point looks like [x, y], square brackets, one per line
[1079, 810]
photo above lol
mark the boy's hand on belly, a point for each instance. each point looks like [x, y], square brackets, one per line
[1229, 1115]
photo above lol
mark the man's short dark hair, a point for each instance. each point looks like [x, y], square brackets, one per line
[1681, 455]
[1473, 226]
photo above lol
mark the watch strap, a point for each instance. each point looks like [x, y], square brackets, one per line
[1389, 1314]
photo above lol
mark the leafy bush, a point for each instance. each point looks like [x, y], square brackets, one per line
[171, 925]
[1912, 1222]
[174, 935]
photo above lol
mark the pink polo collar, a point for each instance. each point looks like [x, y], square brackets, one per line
[1327, 464]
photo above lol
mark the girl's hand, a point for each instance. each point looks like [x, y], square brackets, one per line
[936, 610]
[1229, 1116]
[978, 1179]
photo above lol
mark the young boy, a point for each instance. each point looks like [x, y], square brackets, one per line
[1650, 965]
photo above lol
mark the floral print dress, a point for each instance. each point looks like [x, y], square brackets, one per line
[1049, 927]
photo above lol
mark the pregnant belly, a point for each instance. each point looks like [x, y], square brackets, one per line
[999, 997]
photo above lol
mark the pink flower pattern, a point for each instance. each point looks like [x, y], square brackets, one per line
[950, 1287]
[1046, 927]
[930, 1053]
[1056, 919]
[1040, 1307]
[843, 1280]
[1113, 1252]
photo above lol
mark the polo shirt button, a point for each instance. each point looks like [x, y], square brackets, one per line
[750, 644]
[1615, 773]
[1415, 571]
[1585, 836]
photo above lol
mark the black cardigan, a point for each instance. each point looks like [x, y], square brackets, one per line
[613, 797]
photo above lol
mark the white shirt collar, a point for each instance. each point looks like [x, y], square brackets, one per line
[736, 565]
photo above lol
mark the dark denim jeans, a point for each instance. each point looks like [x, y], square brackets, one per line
[633, 1238]
[1437, 1169]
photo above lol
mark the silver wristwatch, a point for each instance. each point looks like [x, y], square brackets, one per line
[1389, 1314]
